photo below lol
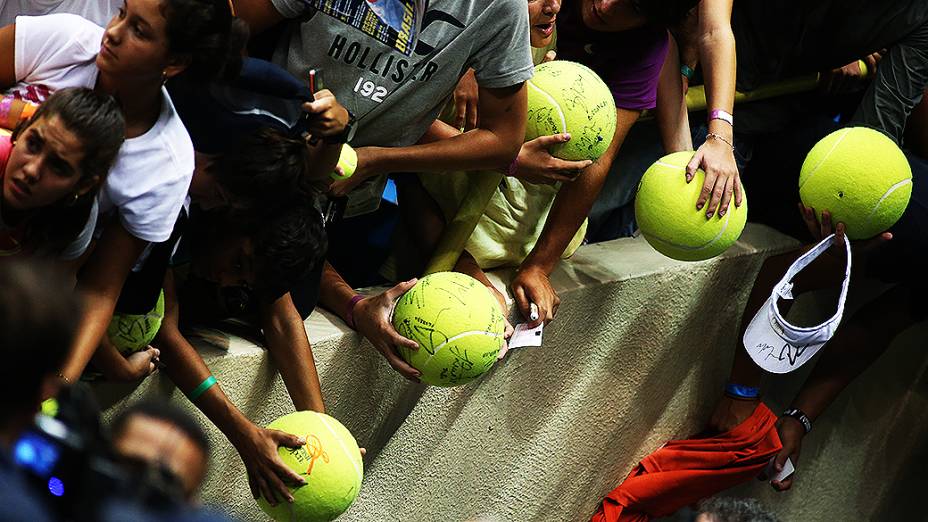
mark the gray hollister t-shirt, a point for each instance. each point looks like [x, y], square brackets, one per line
[395, 97]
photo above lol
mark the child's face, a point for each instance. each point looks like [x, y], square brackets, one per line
[135, 43]
[541, 17]
[44, 167]
[610, 15]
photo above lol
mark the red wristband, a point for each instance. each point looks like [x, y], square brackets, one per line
[350, 315]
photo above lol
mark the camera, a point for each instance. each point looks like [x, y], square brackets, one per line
[69, 462]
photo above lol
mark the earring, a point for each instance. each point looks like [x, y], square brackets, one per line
[74, 200]
[164, 77]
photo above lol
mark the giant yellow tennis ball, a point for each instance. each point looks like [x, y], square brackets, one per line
[861, 177]
[569, 97]
[131, 333]
[665, 208]
[330, 462]
[348, 161]
[457, 323]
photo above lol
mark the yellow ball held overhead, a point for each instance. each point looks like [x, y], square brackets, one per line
[330, 462]
[348, 161]
[457, 323]
[861, 177]
[665, 208]
[568, 97]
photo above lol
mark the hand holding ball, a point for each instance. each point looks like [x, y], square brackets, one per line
[457, 323]
[348, 161]
[566, 97]
[665, 208]
[330, 462]
[861, 177]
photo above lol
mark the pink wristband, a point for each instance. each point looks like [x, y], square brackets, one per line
[5, 104]
[719, 114]
[351, 305]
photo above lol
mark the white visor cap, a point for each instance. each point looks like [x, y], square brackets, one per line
[780, 347]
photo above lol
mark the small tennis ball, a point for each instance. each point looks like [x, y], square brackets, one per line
[330, 462]
[861, 177]
[665, 208]
[568, 97]
[348, 161]
[457, 323]
[131, 333]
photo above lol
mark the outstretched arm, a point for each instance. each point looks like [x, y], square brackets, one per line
[289, 347]
[257, 446]
[571, 206]
[491, 146]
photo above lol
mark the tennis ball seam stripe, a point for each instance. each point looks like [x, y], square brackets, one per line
[455, 338]
[686, 247]
[694, 248]
[886, 195]
[844, 132]
[553, 103]
[348, 452]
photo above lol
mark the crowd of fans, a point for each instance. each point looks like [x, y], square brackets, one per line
[167, 160]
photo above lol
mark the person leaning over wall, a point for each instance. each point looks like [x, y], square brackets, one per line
[146, 188]
[405, 94]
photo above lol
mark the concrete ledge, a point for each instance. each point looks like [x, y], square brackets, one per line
[639, 350]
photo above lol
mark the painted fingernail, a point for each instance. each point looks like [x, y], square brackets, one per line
[721, 213]
[567, 136]
[698, 206]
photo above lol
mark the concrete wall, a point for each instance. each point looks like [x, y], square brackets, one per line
[637, 356]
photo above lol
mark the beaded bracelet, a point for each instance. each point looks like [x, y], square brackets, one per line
[723, 140]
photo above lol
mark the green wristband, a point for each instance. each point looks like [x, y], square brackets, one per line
[201, 389]
[687, 71]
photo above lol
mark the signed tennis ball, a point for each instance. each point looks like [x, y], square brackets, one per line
[457, 323]
[665, 208]
[131, 333]
[348, 161]
[568, 97]
[330, 462]
[861, 177]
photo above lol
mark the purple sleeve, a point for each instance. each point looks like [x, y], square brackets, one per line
[632, 75]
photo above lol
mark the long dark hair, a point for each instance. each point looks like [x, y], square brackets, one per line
[207, 32]
[97, 121]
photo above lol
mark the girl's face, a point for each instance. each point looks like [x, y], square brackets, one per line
[541, 17]
[135, 43]
[44, 167]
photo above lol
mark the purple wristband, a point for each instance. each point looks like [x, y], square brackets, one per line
[513, 167]
[5, 104]
[351, 305]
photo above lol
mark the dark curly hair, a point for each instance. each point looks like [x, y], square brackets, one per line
[206, 31]
[289, 246]
[263, 172]
[97, 121]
